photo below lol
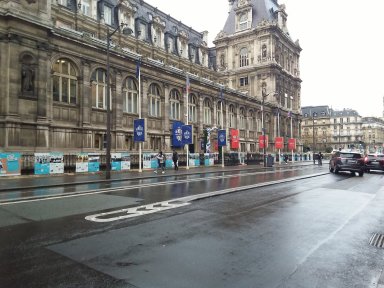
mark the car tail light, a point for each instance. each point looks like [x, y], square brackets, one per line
[366, 159]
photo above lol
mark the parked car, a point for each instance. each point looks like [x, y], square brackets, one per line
[374, 162]
[347, 161]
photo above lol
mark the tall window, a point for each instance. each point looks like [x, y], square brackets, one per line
[175, 104]
[264, 51]
[154, 101]
[207, 112]
[218, 113]
[107, 15]
[232, 116]
[130, 96]
[244, 57]
[243, 21]
[192, 108]
[242, 118]
[99, 89]
[64, 82]
[251, 121]
[86, 7]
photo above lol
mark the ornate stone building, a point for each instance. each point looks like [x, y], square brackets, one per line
[324, 127]
[53, 56]
[373, 134]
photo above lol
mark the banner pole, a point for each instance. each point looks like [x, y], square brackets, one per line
[140, 166]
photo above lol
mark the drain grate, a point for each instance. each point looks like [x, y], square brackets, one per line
[377, 240]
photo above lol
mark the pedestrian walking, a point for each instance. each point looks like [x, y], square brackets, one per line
[161, 162]
[320, 160]
[286, 159]
[175, 159]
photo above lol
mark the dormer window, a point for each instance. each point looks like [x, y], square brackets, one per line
[243, 21]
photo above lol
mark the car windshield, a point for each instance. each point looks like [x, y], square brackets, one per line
[350, 155]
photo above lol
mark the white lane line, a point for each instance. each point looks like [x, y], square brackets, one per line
[109, 190]
[179, 202]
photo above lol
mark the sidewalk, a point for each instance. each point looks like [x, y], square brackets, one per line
[39, 181]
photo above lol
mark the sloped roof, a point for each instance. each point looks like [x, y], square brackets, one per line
[261, 10]
[144, 10]
[344, 113]
[319, 111]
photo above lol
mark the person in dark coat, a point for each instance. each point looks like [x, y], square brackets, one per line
[175, 159]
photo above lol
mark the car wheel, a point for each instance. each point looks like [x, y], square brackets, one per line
[336, 171]
[361, 173]
[330, 168]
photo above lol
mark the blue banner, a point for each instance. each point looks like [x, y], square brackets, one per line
[221, 138]
[177, 134]
[187, 134]
[139, 129]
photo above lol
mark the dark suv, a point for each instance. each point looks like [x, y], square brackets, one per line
[347, 161]
[374, 162]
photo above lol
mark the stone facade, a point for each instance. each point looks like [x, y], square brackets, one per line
[53, 57]
[324, 127]
[373, 134]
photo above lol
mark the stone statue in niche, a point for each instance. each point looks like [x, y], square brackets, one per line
[27, 78]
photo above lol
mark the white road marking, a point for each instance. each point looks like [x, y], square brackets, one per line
[179, 202]
[136, 211]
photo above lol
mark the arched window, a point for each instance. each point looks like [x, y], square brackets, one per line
[192, 108]
[175, 104]
[130, 96]
[251, 121]
[232, 116]
[64, 82]
[154, 101]
[99, 89]
[258, 122]
[244, 57]
[242, 119]
[207, 112]
[219, 114]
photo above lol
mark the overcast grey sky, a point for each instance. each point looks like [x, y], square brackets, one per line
[343, 51]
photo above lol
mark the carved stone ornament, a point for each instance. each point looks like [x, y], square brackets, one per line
[221, 34]
[242, 3]
[183, 34]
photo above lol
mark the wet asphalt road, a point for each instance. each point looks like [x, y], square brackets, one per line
[311, 232]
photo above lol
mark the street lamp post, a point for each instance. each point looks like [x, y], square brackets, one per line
[290, 114]
[108, 152]
[264, 94]
[314, 114]
[339, 136]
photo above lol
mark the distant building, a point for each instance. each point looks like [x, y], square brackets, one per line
[373, 134]
[324, 127]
